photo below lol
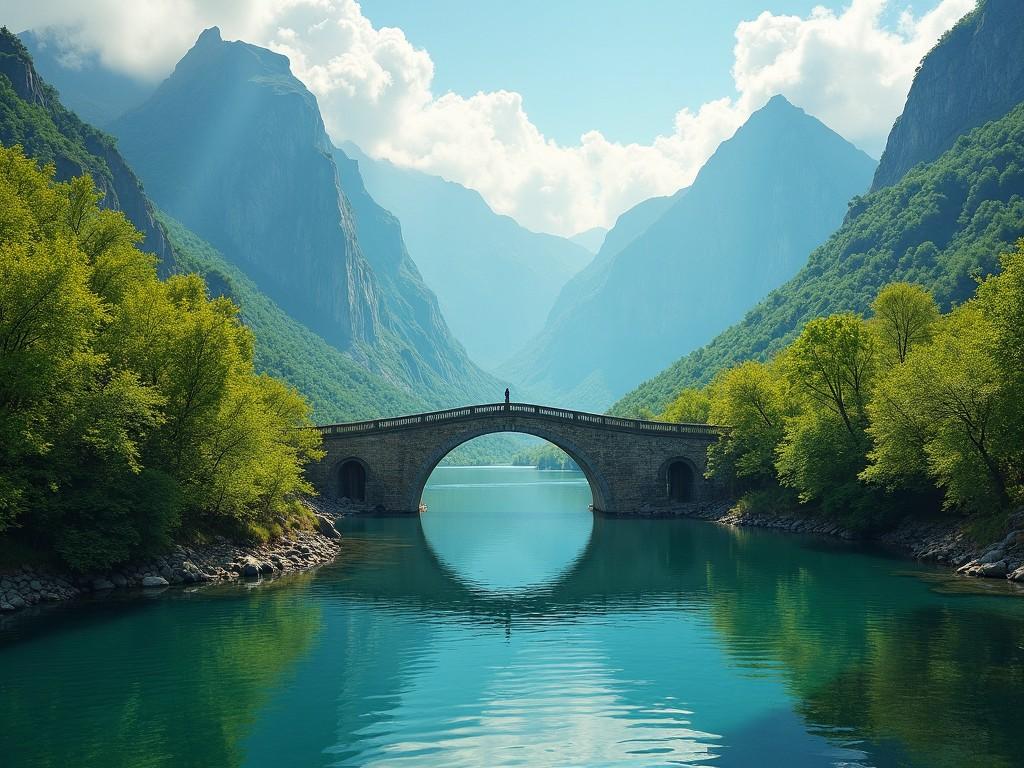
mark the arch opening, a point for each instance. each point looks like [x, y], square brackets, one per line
[510, 527]
[680, 481]
[352, 480]
[600, 496]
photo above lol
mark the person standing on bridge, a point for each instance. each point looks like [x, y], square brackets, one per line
[506, 395]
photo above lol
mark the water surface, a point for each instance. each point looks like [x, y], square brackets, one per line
[510, 626]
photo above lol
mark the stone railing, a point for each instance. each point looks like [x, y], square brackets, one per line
[518, 409]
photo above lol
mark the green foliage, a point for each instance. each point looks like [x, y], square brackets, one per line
[939, 227]
[751, 399]
[866, 420]
[337, 387]
[129, 407]
[904, 315]
[691, 406]
[546, 456]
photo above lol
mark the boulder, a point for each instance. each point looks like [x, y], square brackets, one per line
[1017, 575]
[118, 580]
[326, 527]
[154, 581]
[5, 606]
[251, 567]
[100, 583]
[992, 556]
[993, 570]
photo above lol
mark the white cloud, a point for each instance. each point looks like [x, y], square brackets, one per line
[375, 88]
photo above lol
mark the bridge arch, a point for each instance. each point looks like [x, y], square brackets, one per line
[627, 462]
[599, 490]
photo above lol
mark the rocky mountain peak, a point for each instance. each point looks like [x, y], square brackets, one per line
[16, 64]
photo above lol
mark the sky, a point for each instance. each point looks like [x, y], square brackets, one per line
[561, 114]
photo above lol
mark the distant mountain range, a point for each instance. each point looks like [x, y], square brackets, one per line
[232, 145]
[675, 271]
[96, 94]
[496, 280]
[948, 199]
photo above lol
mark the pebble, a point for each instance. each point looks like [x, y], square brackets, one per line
[218, 560]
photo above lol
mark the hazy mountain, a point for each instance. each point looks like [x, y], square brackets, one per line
[766, 197]
[95, 93]
[31, 114]
[973, 75]
[591, 239]
[233, 146]
[336, 386]
[496, 281]
[939, 225]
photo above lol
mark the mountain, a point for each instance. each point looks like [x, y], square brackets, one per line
[232, 145]
[93, 92]
[32, 115]
[973, 75]
[591, 239]
[495, 280]
[941, 226]
[765, 198]
[336, 387]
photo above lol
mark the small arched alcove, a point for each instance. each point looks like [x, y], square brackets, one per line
[352, 480]
[679, 480]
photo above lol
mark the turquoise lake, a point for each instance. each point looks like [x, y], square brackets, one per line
[508, 625]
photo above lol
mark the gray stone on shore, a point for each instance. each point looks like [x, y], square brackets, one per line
[326, 526]
[101, 583]
[154, 581]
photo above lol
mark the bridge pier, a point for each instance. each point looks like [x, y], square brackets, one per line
[383, 465]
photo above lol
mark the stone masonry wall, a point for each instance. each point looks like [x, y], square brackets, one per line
[626, 469]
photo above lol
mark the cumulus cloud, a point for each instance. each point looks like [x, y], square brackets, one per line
[375, 88]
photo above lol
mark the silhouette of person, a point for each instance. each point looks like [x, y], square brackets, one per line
[506, 395]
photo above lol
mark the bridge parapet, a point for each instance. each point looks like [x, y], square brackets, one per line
[519, 409]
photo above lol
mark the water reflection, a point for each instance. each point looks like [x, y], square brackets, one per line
[655, 642]
[511, 540]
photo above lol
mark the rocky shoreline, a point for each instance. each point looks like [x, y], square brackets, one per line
[217, 561]
[941, 542]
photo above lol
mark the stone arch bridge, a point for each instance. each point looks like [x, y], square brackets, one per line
[631, 465]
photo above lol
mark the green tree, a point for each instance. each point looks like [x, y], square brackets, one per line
[130, 411]
[691, 406]
[904, 315]
[831, 366]
[751, 401]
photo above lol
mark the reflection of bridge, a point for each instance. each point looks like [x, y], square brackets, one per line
[629, 463]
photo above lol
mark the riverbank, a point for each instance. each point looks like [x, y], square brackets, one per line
[941, 542]
[216, 561]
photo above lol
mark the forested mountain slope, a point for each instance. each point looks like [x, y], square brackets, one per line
[975, 74]
[91, 90]
[941, 226]
[31, 114]
[765, 198]
[496, 280]
[337, 387]
[233, 146]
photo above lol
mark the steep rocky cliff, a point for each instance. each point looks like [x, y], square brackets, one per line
[973, 75]
[233, 146]
[496, 280]
[32, 115]
[755, 211]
